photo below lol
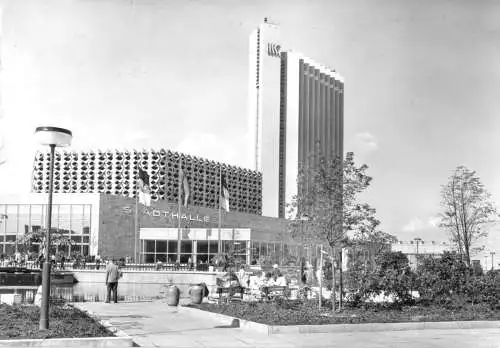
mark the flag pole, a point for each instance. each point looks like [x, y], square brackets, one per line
[136, 222]
[136, 226]
[179, 214]
[219, 246]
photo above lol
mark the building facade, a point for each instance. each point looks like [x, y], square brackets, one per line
[414, 249]
[296, 108]
[105, 225]
[264, 109]
[311, 120]
[75, 216]
[116, 172]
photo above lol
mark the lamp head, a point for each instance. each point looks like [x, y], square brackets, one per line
[53, 136]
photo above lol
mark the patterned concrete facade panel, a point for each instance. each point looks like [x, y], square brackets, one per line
[116, 172]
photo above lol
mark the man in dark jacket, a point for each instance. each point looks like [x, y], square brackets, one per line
[112, 275]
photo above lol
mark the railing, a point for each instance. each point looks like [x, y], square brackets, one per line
[79, 265]
[290, 271]
[140, 267]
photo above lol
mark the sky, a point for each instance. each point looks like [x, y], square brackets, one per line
[422, 86]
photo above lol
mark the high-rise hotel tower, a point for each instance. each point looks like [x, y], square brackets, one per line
[296, 107]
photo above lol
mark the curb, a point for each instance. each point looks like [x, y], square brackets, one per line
[97, 342]
[368, 327]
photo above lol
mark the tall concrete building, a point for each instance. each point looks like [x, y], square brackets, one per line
[296, 107]
[264, 108]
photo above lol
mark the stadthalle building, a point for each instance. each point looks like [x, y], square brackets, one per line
[294, 105]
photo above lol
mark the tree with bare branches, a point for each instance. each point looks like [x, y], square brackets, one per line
[328, 199]
[467, 209]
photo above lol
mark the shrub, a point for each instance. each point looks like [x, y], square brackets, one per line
[394, 276]
[390, 275]
[483, 289]
[441, 278]
[447, 280]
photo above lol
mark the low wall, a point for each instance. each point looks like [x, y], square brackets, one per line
[182, 279]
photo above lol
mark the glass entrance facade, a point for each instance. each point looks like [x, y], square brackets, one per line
[201, 245]
[71, 221]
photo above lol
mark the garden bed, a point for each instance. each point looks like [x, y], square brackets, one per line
[307, 313]
[22, 322]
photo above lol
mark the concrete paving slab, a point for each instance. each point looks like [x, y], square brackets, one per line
[155, 324]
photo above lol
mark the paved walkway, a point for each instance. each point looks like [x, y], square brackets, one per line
[154, 324]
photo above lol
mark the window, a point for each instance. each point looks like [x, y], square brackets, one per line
[186, 250]
[65, 218]
[55, 216]
[212, 249]
[86, 218]
[202, 247]
[24, 219]
[254, 252]
[149, 246]
[36, 217]
[172, 246]
[77, 219]
[161, 246]
[11, 220]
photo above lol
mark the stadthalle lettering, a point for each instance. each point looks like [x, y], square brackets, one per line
[175, 215]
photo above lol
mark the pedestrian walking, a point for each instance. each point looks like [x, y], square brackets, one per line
[113, 274]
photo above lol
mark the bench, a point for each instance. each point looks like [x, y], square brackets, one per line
[228, 293]
[274, 292]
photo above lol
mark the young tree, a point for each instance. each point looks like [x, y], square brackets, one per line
[57, 238]
[467, 208]
[326, 208]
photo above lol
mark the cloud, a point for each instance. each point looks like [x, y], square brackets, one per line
[366, 141]
[434, 221]
[362, 144]
[418, 224]
[414, 225]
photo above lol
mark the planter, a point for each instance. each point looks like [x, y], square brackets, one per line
[173, 293]
[196, 294]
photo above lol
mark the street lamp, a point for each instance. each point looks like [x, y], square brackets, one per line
[51, 136]
[417, 240]
[492, 253]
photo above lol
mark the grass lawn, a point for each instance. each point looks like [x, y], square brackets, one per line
[307, 313]
[21, 322]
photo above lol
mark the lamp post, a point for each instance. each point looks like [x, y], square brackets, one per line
[492, 253]
[485, 262]
[417, 240]
[51, 136]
